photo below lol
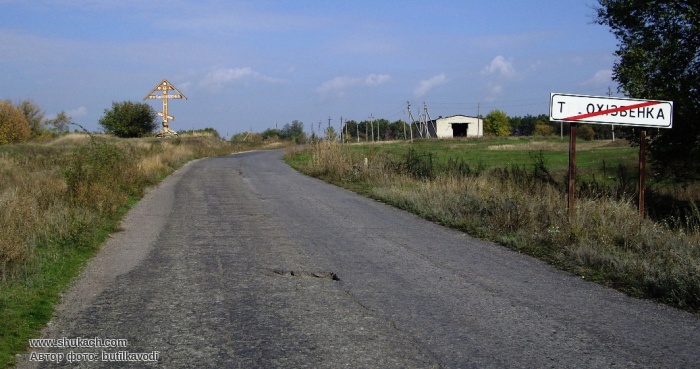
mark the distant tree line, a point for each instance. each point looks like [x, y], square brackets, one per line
[376, 130]
[496, 123]
[540, 125]
[293, 131]
[206, 131]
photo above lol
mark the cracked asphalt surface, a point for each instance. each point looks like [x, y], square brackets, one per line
[240, 262]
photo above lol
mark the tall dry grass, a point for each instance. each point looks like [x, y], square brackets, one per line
[606, 240]
[57, 193]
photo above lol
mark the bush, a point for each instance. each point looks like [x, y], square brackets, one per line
[129, 119]
[13, 125]
[496, 123]
[543, 129]
[98, 175]
[208, 131]
[271, 133]
[585, 132]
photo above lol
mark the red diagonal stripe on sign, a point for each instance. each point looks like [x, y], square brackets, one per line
[615, 110]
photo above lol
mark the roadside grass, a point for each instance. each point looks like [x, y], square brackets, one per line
[521, 203]
[61, 199]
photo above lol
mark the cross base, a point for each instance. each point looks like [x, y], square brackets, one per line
[166, 132]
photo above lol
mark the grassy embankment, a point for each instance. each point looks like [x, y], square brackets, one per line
[60, 200]
[513, 191]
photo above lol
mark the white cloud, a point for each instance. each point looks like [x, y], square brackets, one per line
[493, 91]
[376, 79]
[220, 77]
[77, 112]
[576, 60]
[338, 85]
[600, 78]
[500, 71]
[536, 65]
[500, 65]
[428, 84]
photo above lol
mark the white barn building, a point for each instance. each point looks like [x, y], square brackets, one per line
[456, 126]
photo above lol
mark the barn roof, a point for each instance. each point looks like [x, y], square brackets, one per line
[455, 116]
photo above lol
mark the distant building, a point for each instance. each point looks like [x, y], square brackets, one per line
[456, 126]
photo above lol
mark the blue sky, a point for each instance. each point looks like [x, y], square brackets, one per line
[258, 64]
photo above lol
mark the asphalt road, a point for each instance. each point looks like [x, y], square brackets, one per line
[240, 262]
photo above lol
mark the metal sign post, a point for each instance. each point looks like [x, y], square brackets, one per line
[165, 87]
[572, 168]
[642, 169]
[609, 110]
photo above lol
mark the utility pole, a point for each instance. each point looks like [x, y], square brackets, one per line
[612, 126]
[428, 119]
[371, 117]
[328, 130]
[404, 129]
[479, 120]
[418, 128]
[410, 119]
[379, 136]
[366, 133]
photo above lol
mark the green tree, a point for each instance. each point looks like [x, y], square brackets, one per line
[293, 131]
[398, 128]
[129, 119]
[659, 58]
[330, 134]
[350, 128]
[59, 124]
[13, 124]
[496, 123]
[526, 126]
[271, 133]
[32, 112]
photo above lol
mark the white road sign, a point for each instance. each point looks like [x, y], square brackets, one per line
[610, 110]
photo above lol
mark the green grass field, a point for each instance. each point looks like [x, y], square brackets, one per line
[599, 158]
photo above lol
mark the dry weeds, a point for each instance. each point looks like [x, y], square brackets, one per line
[53, 198]
[606, 240]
